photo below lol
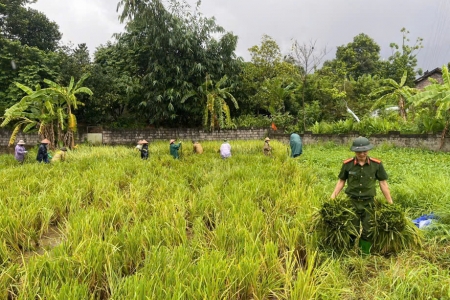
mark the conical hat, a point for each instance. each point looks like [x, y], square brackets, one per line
[45, 141]
[144, 142]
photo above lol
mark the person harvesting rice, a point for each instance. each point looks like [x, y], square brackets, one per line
[361, 173]
[20, 152]
[174, 148]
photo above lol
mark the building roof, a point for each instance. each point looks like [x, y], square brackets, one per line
[428, 74]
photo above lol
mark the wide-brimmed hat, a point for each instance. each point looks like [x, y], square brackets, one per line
[63, 149]
[21, 142]
[266, 139]
[144, 142]
[45, 141]
[361, 144]
[172, 141]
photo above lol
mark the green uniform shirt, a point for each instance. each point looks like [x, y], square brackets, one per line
[174, 150]
[361, 179]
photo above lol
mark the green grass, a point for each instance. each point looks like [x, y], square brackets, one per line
[206, 228]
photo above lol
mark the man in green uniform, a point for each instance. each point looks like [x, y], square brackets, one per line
[361, 173]
[174, 149]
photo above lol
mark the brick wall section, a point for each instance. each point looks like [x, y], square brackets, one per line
[126, 137]
[130, 137]
[114, 137]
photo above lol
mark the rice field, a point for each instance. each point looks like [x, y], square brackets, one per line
[108, 225]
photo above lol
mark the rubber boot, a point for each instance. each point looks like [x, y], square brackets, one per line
[365, 246]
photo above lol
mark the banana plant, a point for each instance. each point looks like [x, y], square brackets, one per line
[42, 108]
[30, 113]
[66, 101]
[437, 96]
[393, 92]
[216, 111]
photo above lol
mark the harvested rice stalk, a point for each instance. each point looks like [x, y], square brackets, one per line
[392, 231]
[333, 224]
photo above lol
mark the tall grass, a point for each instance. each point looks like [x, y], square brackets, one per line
[202, 227]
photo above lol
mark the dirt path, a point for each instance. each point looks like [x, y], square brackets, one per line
[49, 240]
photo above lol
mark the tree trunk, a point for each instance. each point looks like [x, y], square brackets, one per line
[444, 132]
[303, 100]
[401, 106]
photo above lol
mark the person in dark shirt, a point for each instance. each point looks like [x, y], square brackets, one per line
[42, 155]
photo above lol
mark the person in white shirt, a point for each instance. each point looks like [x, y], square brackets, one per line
[225, 150]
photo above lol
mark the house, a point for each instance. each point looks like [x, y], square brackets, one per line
[423, 81]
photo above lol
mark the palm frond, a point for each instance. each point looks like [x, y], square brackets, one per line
[16, 130]
[24, 88]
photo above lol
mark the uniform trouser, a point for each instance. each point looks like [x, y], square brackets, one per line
[363, 210]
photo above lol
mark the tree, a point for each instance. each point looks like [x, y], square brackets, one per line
[267, 81]
[117, 91]
[24, 64]
[393, 92]
[173, 49]
[308, 59]
[362, 56]
[438, 97]
[403, 59]
[28, 26]
[216, 110]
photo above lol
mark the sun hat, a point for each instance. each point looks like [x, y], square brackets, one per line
[21, 142]
[361, 144]
[45, 141]
[144, 142]
[172, 141]
[266, 139]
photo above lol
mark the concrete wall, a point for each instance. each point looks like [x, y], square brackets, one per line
[422, 141]
[129, 137]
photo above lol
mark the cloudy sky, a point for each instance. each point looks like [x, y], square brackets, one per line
[330, 23]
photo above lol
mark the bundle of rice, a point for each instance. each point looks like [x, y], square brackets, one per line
[391, 231]
[333, 224]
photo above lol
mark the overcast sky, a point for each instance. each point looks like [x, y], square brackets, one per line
[330, 23]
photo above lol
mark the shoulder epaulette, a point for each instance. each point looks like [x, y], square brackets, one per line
[348, 160]
[375, 160]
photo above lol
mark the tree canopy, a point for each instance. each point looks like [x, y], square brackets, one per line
[170, 52]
